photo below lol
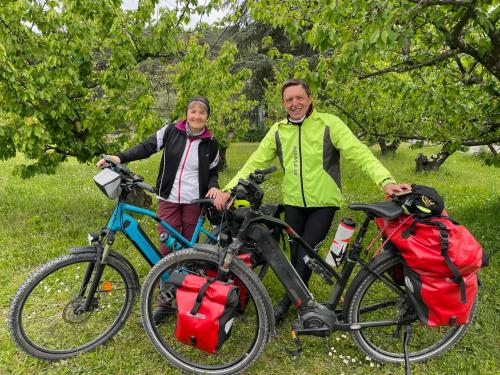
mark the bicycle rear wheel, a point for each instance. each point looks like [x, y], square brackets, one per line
[43, 318]
[370, 299]
[250, 329]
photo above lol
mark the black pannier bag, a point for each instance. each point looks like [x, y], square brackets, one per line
[205, 310]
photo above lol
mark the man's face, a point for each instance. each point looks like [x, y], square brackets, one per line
[296, 101]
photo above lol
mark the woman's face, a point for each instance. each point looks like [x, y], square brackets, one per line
[197, 116]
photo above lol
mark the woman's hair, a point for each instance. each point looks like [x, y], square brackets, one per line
[199, 99]
[295, 82]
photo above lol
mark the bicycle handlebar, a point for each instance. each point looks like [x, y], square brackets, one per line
[145, 186]
[119, 167]
[203, 201]
[136, 179]
[259, 175]
[269, 170]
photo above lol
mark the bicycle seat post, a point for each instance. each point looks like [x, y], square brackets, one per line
[356, 247]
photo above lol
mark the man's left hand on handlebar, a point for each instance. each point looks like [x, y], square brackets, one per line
[391, 189]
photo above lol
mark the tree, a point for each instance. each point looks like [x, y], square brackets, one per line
[450, 48]
[197, 74]
[69, 78]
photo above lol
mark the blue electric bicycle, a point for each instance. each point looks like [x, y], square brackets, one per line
[80, 300]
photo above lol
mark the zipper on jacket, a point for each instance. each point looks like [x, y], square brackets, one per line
[300, 165]
[182, 169]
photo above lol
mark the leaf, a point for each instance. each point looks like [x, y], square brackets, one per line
[384, 36]
[374, 36]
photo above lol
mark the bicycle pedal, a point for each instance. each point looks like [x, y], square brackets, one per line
[298, 346]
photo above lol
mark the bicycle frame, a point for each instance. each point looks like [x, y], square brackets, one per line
[121, 221]
[298, 291]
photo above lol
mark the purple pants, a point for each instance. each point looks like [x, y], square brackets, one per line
[182, 217]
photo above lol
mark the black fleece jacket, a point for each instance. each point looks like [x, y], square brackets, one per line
[172, 139]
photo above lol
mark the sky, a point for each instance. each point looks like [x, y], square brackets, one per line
[212, 17]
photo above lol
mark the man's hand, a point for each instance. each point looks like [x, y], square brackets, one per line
[103, 163]
[397, 189]
[221, 200]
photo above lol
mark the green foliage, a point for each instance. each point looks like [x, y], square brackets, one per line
[197, 74]
[69, 83]
[397, 70]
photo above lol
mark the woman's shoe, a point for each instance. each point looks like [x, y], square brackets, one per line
[161, 314]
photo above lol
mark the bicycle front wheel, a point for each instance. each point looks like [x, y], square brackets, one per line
[44, 320]
[250, 329]
[372, 300]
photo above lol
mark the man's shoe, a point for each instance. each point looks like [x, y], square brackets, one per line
[280, 312]
[161, 314]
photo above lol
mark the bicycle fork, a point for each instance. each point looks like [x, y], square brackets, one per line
[93, 275]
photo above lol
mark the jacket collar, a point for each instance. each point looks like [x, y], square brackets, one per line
[298, 123]
[181, 125]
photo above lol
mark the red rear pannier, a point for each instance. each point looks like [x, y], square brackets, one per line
[205, 310]
[442, 259]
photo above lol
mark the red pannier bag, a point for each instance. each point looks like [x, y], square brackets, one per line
[205, 310]
[244, 296]
[442, 259]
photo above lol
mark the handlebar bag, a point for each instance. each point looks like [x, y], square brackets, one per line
[442, 259]
[205, 310]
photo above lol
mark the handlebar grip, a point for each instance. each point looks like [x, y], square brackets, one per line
[119, 167]
[145, 186]
[203, 201]
[269, 170]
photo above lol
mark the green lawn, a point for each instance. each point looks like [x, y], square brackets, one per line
[44, 216]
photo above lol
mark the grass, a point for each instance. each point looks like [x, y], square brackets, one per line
[44, 216]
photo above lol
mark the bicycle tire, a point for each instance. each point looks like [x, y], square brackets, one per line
[385, 344]
[176, 353]
[32, 311]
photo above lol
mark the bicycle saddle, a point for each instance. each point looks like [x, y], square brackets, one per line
[386, 209]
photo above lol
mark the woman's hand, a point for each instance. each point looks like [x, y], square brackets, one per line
[103, 163]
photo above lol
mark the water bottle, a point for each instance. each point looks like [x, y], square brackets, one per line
[170, 241]
[342, 237]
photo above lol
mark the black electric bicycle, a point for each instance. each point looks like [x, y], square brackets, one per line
[377, 310]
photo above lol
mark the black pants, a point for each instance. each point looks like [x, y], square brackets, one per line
[312, 224]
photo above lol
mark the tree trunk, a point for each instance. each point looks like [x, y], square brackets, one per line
[493, 149]
[222, 158]
[431, 163]
[388, 149]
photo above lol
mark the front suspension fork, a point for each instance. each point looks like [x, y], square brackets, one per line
[93, 275]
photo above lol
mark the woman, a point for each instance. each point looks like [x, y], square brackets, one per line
[188, 168]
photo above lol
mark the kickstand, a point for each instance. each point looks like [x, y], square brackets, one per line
[406, 341]
[298, 346]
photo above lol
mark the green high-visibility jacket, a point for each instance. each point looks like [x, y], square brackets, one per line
[310, 156]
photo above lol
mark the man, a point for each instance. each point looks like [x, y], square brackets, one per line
[308, 144]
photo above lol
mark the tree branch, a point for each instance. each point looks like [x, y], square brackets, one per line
[350, 116]
[427, 3]
[183, 13]
[409, 66]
